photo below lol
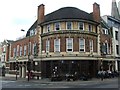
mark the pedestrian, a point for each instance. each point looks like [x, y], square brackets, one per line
[102, 75]
[3, 71]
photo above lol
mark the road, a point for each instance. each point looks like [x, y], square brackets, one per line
[96, 83]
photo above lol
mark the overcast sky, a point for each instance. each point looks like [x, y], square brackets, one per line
[21, 14]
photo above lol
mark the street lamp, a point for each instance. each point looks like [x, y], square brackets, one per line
[101, 63]
[29, 62]
[17, 67]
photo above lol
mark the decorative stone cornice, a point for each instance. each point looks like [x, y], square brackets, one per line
[69, 32]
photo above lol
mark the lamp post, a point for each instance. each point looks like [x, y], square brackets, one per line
[29, 62]
[17, 67]
[101, 63]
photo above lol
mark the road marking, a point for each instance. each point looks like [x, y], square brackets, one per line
[27, 85]
[3, 82]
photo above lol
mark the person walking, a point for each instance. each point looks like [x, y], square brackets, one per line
[102, 75]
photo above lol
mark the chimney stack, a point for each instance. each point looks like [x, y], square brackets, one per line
[41, 12]
[96, 12]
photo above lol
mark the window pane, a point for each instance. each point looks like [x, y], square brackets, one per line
[116, 35]
[57, 26]
[91, 45]
[25, 50]
[48, 28]
[103, 31]
[47, 45]
[69, 25]
[81, 44]
[90, 28]
[57, 45]
[81, 25]
[117, 49]
[69, 44]
[21, 51]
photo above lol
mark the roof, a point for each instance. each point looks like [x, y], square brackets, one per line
[31, 28]
[7, 42]
[68, 13]
[104, 24]
[114, 19]
[64, 14]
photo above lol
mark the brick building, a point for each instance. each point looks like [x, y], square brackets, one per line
[113, 22]
[5, 54]
[67, 40]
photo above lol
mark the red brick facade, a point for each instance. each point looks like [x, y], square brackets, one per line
[75, 43]
[23, 42]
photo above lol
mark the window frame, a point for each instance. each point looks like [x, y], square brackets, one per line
[68, 25]
[83, 45]
[20, 50]
[79, 25]
[47, 46]
[105, 31]
[116, 35]
[89, 27]
[91, 45]
[56, 44]
[57, 24]
[68, 46]
[117, 50]
[17, 50]
[48, 28]
[25, 49]
[14, 52]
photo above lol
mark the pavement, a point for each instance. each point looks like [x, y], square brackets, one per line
[47, 80]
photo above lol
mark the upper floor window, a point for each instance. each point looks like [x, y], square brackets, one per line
[105, 48]
[48, 28]
[116, 35]
[35, 31]
[29, 48]
[117, 49]
[69, 44]
[20, 50]
[57, 26]
[47, 45]
[81, 26]
[25, 48]
[57, 45]
[4, 48]
[105, 31]
[32, 32]
[17, 50]
[69, 25]
[14, 52]
[91, 45]
[35, 49]
[90, 28]
[33, 45]
[82, 45]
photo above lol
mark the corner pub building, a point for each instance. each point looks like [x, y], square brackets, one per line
[67, 40]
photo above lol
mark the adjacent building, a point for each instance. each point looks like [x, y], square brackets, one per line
[106, 47]
[113, 22]
[5, 53]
